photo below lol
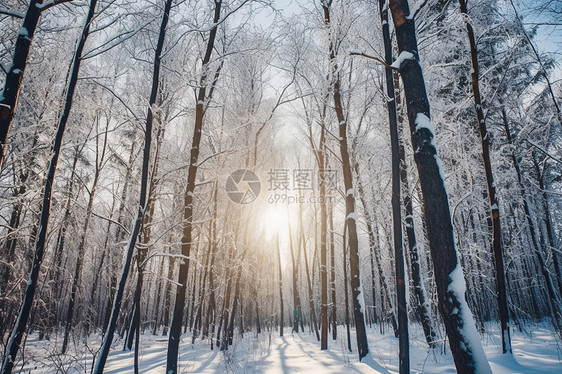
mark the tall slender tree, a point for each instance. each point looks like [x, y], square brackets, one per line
[202, 102]
[137, 223]
[351, 215]
[497, 247]
[404, 351]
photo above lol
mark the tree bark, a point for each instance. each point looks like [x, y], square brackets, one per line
[280, 275]
[497, 249]
[423, 307]
[302, 245]
[155, 91]
[467, 350]
[177, 316]
[402, 308]
[9, 95]
[351, 215]
[333, 299]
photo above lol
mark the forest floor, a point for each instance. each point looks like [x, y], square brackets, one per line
[534, 351]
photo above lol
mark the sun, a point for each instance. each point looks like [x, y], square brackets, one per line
[275, 220]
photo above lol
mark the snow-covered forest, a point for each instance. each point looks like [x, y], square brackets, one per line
[280, 185]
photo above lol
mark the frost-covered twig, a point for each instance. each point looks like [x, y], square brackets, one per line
[354, 53]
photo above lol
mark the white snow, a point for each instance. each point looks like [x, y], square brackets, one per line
[349, 192]
[415, 8]
[405, 55]
[457, 286]
[7, 66]
[423, 122]
[352, 216]
[535, 351]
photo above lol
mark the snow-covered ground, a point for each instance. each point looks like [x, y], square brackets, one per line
[536, 351]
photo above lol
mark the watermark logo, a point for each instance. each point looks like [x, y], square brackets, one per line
[284, 186]
[243, 186]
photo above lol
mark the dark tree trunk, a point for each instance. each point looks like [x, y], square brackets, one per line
[312, 308]
[346, 288]
[333, 275]
[53, 307]
[323, 262]
[351, 215]
[497, 249]
[321, 163]
[155, 91]
[237, 296]
[119, 236]
[402, 307]
[281, 315]
[157, 307]
[467, 351]
[423, 307]
[6, 116]
[177, 316]
[203, 283]
[168, 296]
[213, 236]
[14, 77]
[221, 335]
[297, 309]
[142, 251]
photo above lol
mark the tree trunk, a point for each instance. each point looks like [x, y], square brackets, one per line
[155, 91]
[333, 275]
[375, 251]
[312, 308]
[297, 309]
[345, 288]
[497, 249]
[467, 350]
[402, 307]
[281, 315]
[423, 307]
[351, 215]
[9, 95]
[177, 316]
